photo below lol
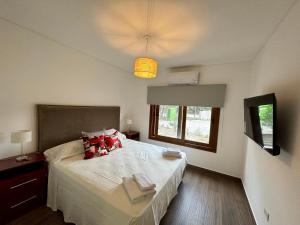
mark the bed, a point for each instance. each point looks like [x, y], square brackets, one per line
[90, 192]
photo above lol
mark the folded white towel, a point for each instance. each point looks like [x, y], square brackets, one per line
[144, 182]
[134, 193]
[172, 153]
[170, 156]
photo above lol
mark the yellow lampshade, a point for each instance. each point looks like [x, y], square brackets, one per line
[145, 67]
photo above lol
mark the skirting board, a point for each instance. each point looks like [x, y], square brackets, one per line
[230, 177]
[211, 171]
[256, 221]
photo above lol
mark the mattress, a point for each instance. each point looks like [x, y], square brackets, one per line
[90, 192]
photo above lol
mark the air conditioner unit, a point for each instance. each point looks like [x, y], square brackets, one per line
[183, 78]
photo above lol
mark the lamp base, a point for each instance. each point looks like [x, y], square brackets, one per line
[22, 158]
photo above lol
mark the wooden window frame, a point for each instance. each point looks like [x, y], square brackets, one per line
[214, 127]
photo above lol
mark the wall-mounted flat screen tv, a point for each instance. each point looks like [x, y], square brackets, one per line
[260, 121]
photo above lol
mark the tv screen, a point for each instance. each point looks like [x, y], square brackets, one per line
[260, 121]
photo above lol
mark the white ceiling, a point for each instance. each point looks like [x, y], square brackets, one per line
[184, 32]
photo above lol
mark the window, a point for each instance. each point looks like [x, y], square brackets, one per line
[168, 121]
[191, 126]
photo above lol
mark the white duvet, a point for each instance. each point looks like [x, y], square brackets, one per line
[89, 192]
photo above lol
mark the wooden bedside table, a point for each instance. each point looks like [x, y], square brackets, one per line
[134, 135]
[23, 185]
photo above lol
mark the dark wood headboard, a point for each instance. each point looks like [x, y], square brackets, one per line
[58, 124]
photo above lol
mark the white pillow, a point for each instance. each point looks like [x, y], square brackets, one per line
[106, 132]
[119, 134]
[92, 134]
[62, 151]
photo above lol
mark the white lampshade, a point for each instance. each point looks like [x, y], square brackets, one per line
[129, 122]
[21, 136]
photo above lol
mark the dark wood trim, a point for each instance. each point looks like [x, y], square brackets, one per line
[190, 144]
[214, 172]
[183, 122]
[156, 120]
[151, 120]
[179, 125]
[214, 127]
[211, 146]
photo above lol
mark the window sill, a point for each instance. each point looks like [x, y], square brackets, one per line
[189, 144]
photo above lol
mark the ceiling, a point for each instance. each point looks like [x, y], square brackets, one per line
[183, 32]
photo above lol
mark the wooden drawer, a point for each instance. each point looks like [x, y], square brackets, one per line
[9, 213]
[19, 178]
[25, 190]
[22, 192]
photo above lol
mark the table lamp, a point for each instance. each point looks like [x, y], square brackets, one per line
[129, 123]
[21, 137]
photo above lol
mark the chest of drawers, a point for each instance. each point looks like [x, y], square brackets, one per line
[134, 135]
[23, 186]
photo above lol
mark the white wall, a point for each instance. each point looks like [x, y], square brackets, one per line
[229, 158]
[34, 69]
[271, 182]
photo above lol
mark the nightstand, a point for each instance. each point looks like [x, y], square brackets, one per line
[23, 185]
[134, 135]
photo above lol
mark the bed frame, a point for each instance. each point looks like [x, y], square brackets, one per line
[58, 124]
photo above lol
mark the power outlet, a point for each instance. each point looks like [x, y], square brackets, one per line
[267, 215]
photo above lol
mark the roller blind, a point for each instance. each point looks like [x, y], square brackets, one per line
[198, 95]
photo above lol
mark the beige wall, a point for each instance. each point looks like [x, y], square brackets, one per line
[229, 158]
[35, 70]
[273, 183]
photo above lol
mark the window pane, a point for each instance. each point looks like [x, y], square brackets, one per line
[168, 120]
[198, 124]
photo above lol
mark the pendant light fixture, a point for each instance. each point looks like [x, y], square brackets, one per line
[145, 67]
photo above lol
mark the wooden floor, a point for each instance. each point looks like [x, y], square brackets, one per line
[204, 198]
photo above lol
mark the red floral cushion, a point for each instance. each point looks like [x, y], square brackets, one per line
[94, 146]
[112, 141]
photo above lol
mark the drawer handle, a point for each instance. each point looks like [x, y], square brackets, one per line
[26, 182]
[20, 203]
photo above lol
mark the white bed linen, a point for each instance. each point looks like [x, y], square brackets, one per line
[89, 192]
